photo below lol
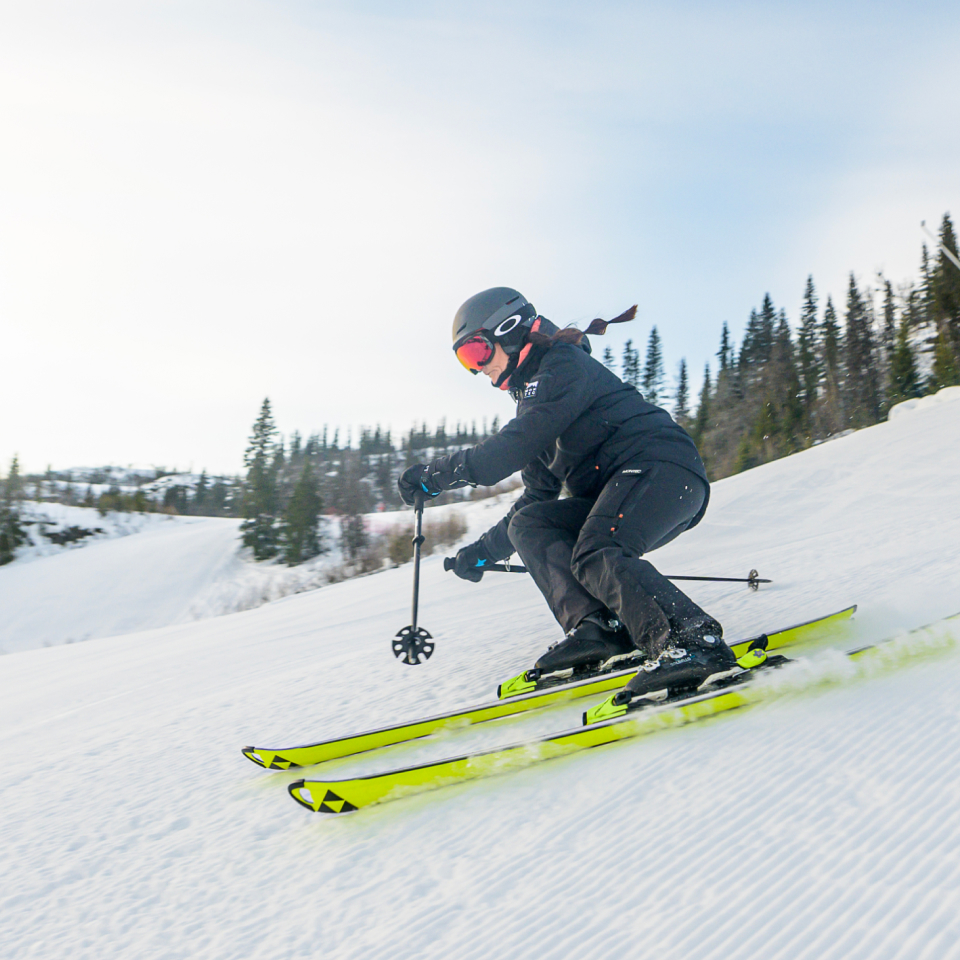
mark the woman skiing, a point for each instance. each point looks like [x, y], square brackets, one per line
[634, 481]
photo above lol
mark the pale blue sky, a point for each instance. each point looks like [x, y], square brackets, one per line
[206, 203]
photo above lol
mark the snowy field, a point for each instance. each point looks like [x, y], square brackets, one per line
[824, 823]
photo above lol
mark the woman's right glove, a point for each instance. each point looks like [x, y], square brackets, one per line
[470, 562]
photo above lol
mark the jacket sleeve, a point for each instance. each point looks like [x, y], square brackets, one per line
[549, 405]
[538, 484]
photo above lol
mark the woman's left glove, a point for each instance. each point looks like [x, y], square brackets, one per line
[419, 480]
[471, 560]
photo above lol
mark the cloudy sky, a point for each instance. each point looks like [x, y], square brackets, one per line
[204, 203]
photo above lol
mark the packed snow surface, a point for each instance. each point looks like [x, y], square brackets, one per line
[820, 823]
[139, 571]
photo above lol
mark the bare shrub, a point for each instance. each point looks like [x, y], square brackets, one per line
[372, 556]
[443, 533]
[505, 486]
[400, 545]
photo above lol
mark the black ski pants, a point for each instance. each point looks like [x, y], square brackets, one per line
[584, 554]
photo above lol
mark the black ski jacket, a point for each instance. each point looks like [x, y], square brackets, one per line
[577, 424]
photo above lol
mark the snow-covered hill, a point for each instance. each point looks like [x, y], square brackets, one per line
[143, 571]
[133, 572]
[822, 824]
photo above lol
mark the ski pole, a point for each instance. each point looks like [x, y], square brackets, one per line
[450, 562]
[413, 642]
[752, 579]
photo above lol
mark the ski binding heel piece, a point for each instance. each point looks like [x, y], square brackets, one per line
[752, 658]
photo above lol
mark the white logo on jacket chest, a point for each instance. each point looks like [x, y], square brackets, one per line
[531, 389]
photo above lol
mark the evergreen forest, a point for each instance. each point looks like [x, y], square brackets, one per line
[840, 366]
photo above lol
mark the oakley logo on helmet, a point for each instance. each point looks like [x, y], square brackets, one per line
[507, 325]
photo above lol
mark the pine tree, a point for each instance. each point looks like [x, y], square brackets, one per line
[888, 337]
[260, 495]
[808, 362]
[946, 370]
[768, 322]
[608, 359]
[12, 534]
[702, 420]
[725, 353]
[630, 366]
[787, 391]
[201, 494]
[653, 375]
[945, 287]
[831, 338]
[777, 425]
[904, 380]
[300, 531]
[758, 338]
[748, 348]
[861, 382]
[681, 409]
[831, 408]
[926, 287]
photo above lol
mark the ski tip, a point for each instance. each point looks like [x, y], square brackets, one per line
[318, 798]
[268, 759]
[251, 753]
[301, 793]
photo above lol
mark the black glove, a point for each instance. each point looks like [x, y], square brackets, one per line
[416, 481]
[471, 560]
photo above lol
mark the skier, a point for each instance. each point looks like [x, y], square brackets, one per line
[634, 481]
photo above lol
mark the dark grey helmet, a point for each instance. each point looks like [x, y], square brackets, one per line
[503, 313]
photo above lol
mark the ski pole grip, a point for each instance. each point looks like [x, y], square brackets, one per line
[449, 563]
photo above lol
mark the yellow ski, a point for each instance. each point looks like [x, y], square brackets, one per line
[342, 796]
[283, 758]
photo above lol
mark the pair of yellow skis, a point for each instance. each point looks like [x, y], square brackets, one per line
[342, 796]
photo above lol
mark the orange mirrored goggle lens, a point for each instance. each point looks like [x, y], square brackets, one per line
[475, 353]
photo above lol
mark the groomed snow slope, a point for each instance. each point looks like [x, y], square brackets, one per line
[144, 571]
[163, 570]
[823, 824]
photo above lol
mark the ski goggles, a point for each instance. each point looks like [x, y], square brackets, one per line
[475, 352]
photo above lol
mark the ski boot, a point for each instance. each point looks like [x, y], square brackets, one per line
[684, 665]
[594, 640]
[695, 629]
